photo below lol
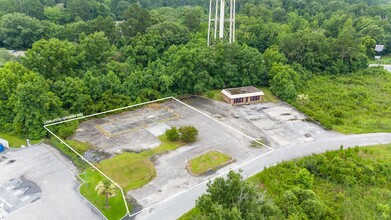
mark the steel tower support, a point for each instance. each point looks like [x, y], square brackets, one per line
[221, 24]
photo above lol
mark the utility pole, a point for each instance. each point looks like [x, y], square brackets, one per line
[221, 13]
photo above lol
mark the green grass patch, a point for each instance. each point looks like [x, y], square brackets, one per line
[15, 141]
[208, 161]
[80, 147]
[214, 94]
[355, 103]
[268, 97]
[117, 208]
[166, 145]
[383, 60]
[77, 161]
[380, 153]
[134, 170]
[191, 215]
[129, 170]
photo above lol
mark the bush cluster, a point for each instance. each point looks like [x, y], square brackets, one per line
[185, 133]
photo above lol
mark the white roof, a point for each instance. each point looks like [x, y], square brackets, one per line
[17, 53]
[4, 143]
[379, 48]
[253, 92]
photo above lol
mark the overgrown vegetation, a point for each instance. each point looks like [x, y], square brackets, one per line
[214, 94]
[80, 147]
[383, 60]
[343, 184]
[6, 57]
[268, 95]
[355, 103]
[91, 56]
[208, 161]
[172, 134]
[186, 134]
[76, 160]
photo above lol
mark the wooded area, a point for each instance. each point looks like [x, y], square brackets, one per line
[87, 56]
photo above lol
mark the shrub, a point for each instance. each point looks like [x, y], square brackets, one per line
[67, 129]
[210, 94]
[172, 134]
[188, 133]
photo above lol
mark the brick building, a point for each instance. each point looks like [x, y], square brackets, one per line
[242, 95]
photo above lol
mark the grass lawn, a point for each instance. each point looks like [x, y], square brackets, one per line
[129, 170]
[381, 153]
[383, 60]
[191, 215]
[268, 97]
[166, 145]
[134, 170]
[350, 103]
[15, 141]
[217, 95]
[117, 207]
[207, 161]
[80, 147]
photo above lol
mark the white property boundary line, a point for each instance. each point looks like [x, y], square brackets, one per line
[90, 203]
[122, 192]
[149, 102]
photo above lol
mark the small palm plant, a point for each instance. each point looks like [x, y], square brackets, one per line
[105, 188]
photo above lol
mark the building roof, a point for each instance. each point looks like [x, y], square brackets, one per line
[242, 92]
[379, 48]
[17, 53]
[4, 143]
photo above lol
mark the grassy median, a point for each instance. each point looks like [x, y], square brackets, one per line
[208, 161]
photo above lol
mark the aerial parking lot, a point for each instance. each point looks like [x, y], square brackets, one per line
[278, 124]
[139, 129]
[38, 183]
[228, 129]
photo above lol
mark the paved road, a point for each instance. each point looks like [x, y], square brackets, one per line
[177, 206]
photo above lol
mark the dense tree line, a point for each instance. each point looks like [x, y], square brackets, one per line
[90, 56]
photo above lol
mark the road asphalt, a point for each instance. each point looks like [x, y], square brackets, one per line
[174, 207]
